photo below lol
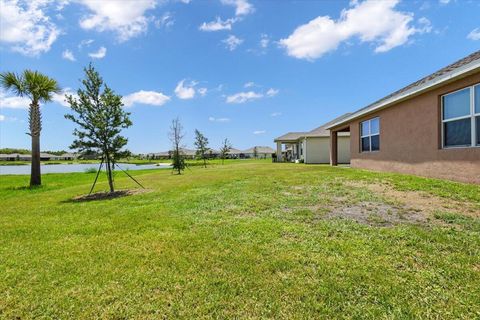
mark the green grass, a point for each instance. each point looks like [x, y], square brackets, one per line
[244, 240]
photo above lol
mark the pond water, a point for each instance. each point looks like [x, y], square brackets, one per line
[79, 167]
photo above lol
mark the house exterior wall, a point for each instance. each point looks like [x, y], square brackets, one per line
[318, 150]
[410, 139]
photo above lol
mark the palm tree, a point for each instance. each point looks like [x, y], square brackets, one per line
[39, 88]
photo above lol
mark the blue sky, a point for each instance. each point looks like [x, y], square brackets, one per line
[239, 69]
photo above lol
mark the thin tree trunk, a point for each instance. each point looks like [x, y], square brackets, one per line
[35, 122]
[35, 175]
[109, 173]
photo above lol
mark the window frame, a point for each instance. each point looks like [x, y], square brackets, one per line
[472, 116]
[369, 135]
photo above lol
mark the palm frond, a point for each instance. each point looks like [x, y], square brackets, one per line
[40, 86]
[14, 82]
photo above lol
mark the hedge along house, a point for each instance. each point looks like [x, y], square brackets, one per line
[313, 146]
[429, 128]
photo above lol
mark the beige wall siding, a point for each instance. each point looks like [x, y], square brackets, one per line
[410, 140]
[318, 150]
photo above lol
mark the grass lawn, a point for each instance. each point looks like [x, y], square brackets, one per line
[250, 239]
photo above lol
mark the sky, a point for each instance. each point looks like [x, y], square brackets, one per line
[244, 70]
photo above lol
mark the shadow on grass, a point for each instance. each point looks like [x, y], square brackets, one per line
[105, 195]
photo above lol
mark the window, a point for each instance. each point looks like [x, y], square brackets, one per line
[370, 135]
[461, 118]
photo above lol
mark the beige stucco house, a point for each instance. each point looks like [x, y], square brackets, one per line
[312, 146]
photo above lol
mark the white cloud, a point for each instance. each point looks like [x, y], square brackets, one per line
[371, 21]
[60, 97]
[85, 43]
[474, 34]
[2, 117]
[264, 41]
[202, 91]
[444, 2]
[249, 84]
[68, 55]
[145, 97]
[232, 42]
[165, 21]
[13, 102]
[243, 97]
[126, 18]
[259, 132]
[25, 26]
[100, 54]
[217, 25]
[275, 114]
[213, 119]
[185, 91]
[242, 7]
[272, 92]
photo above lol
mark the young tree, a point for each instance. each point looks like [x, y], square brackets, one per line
[225, 149]
[38, 88]
[176, 136]
[99, 115]
[255, 152]
[201, 142]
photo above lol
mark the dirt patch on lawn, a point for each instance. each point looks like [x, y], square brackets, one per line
[377, 214]
[418, 201]
[108, 195]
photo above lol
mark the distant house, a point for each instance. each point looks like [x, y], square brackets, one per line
[234, 153]
[430, 127]
[261, 152]
[48, 157]
[15, 157]
[312, 146]
[68, 156]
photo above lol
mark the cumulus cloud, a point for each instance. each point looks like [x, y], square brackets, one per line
[275, 114]
[202, 91]
[259, 132]
[13, 102]
[25, 26]
[126, 18]
[272, 92]
[152, 98]
[213, 119]
[185, 91]
[2, 117]
[444, 2]
[371, 21]
[217, 25]
[165, 21]
[249, 84]
[474, 34]
[243, 97]
[68, 55]
[85, 43]
[60, 98]
[264, 41]
[100, 54]
[232, 42]
[242, 7]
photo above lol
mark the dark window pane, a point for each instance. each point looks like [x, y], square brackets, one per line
[364, 128]
[478, 130]
[366, 144]
[456, 104]
[477, 100]
[376, 143]
[458, 133]
[375, 126]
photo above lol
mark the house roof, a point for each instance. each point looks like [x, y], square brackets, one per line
[454, 71]
[322, 131]
[291, 136]
[260, 149]
[234, 151]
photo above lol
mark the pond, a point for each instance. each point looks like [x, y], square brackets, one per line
[78, 167]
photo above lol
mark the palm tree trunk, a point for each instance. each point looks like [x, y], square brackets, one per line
[35, 175]
[35, 122]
